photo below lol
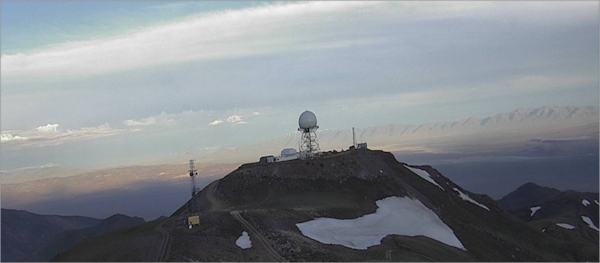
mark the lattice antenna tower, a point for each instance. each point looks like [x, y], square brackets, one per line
[309, 145]
[193, 173]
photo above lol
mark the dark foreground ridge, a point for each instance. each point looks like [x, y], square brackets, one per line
[268, 200]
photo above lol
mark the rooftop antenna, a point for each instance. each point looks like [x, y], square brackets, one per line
[308, 141]
[193, 173]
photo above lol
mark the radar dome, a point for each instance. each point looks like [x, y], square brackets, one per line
[307, 120]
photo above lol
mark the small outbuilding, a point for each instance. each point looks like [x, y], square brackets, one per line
[267, 159]
[193, 220]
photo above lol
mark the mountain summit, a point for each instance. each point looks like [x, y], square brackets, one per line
[351, 206]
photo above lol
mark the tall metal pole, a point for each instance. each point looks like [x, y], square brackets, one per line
[353, 138]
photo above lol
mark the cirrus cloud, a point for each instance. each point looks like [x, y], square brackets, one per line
[237, 33]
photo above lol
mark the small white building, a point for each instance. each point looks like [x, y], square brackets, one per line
[287, 154]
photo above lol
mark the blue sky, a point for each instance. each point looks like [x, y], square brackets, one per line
[86, 78]
[30, 25]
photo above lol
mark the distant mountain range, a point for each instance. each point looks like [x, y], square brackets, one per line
[147, 191]
[32, 237]
[68, 238]
[504, 129]
[35, 173]
[24, 232]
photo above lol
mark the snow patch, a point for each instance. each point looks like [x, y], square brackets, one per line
[395, 216]
[244, 241]
[589, 222]
[424, 174]
[543, 230]
[585, 202]
[467, 198]
[565, 225]
[596, 201]
[534, 209]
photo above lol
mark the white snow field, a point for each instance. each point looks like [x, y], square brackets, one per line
[244, 241]
[585, 202]
[590, 223]
[469, 199]
[424, 174]
[395, 216]
[565, 225]
[534, 209]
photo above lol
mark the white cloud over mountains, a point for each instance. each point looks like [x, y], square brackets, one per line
[191, 119]
[233, 119]
[162, 119]
[7, 137]
[142, 122]
[49, 135]
[215, 123]
[47, 128]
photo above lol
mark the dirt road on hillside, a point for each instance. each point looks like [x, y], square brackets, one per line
[215, 204]
[257, 236]
[165, 242]
[208, 194]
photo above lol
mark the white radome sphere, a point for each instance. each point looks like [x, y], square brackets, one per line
[307, 120]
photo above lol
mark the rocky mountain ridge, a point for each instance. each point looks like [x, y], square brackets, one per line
[274, 202]
[565, 215]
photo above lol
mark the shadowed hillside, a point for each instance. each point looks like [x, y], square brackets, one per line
[24, 232]
[546, 209]
[69, 238]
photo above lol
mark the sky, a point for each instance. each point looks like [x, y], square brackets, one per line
[91, 84]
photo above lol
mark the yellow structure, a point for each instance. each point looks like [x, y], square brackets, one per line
[193, 220]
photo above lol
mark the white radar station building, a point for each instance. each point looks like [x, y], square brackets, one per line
[309, 146]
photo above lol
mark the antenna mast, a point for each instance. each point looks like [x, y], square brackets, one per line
[353, 138]
[193, 173]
